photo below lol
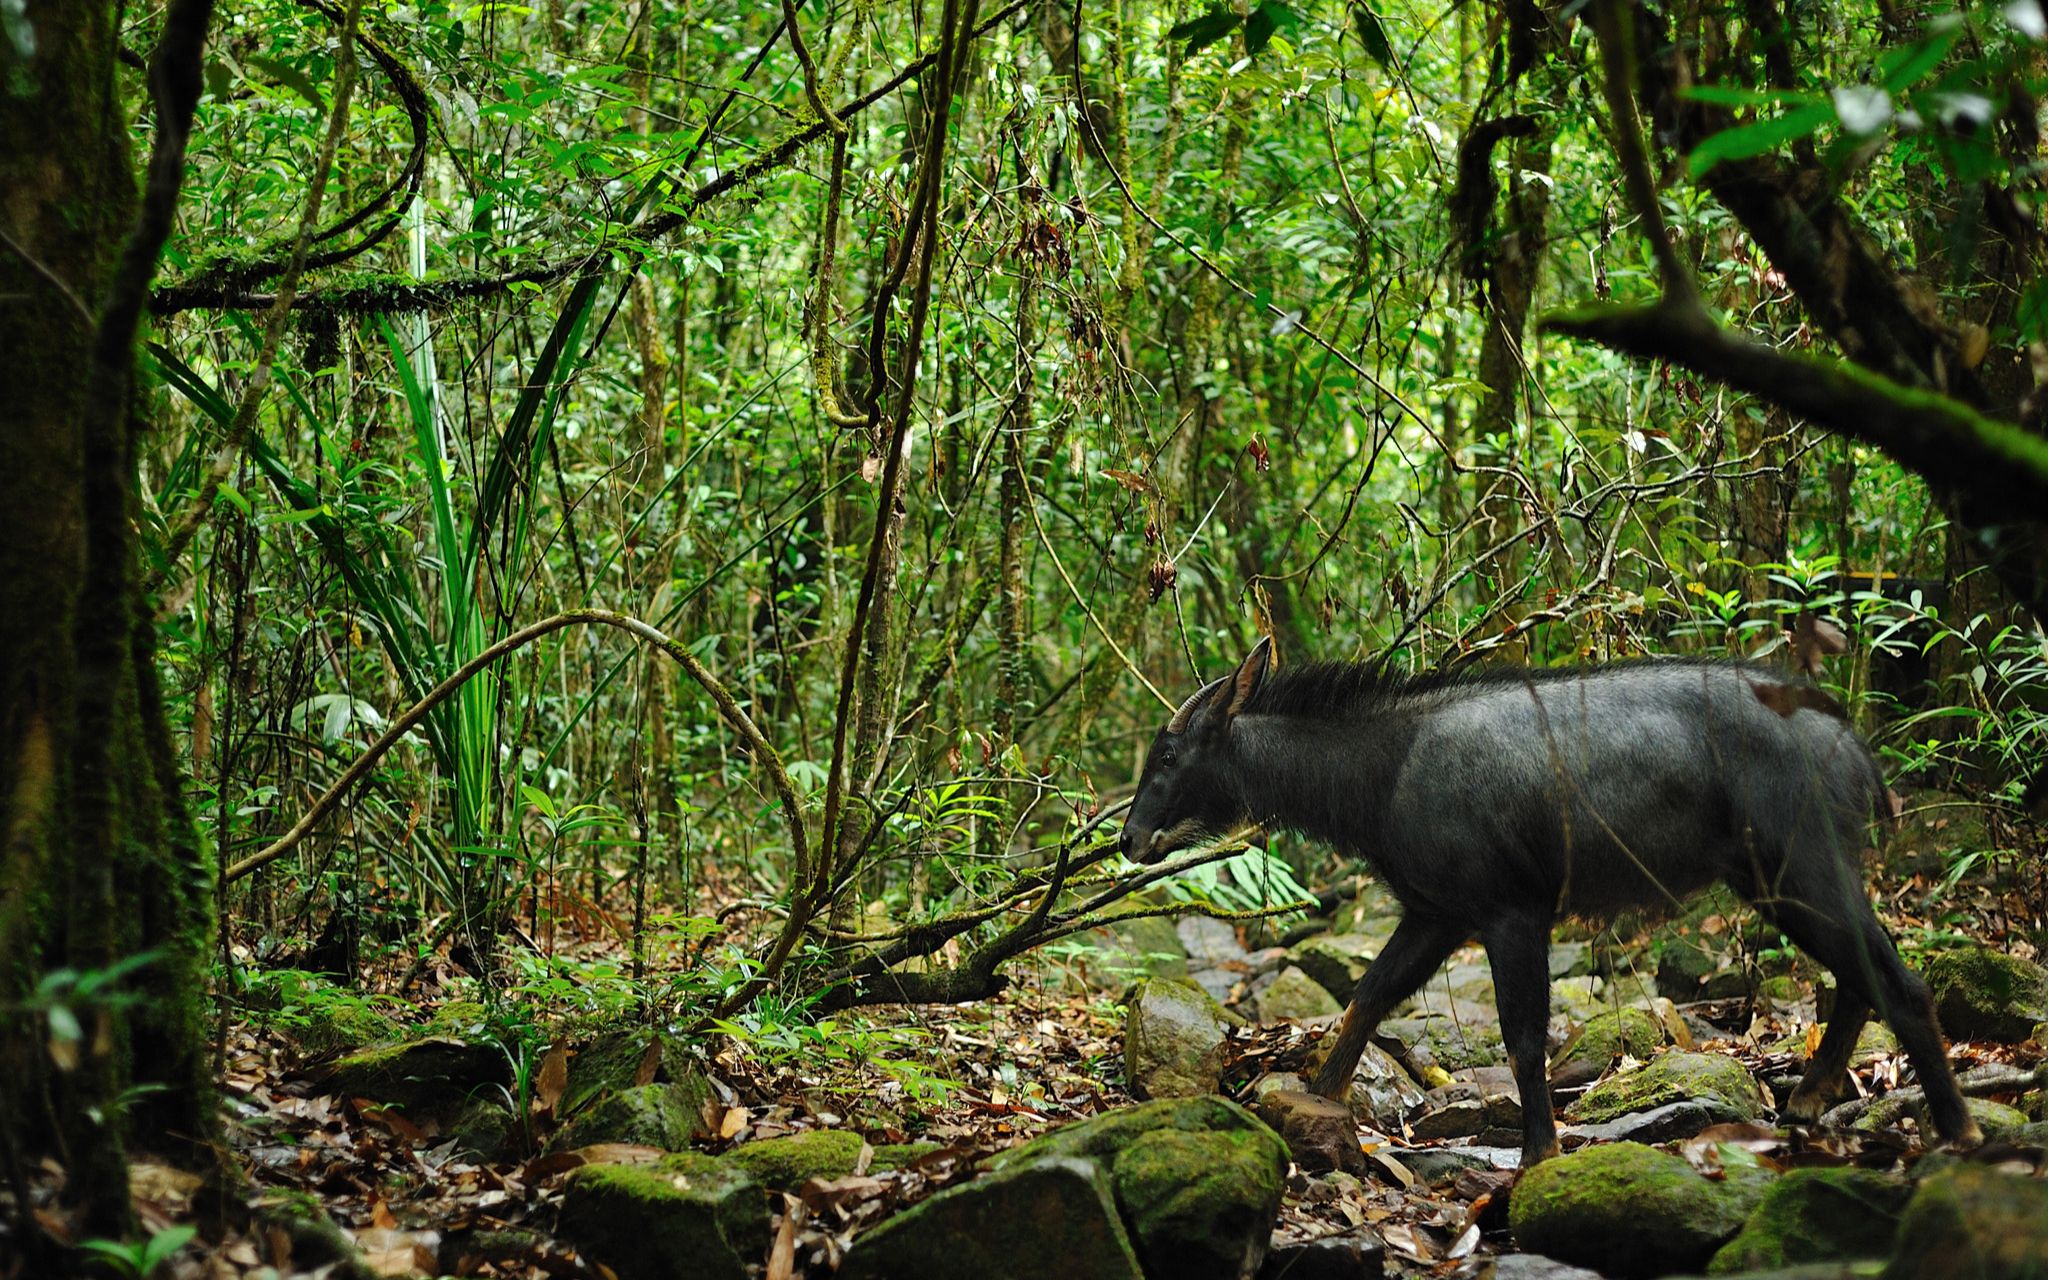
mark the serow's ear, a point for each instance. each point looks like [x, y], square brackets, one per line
[1251, 673]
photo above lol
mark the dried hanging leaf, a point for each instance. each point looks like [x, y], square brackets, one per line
[650, 1063]
[553, 1078]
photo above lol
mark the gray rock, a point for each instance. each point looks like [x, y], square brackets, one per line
[1668, 1123]
[1201, 1205]
[689, 1217]
[1210, 943]
[1355, 1255]
[1455, 1111]
[1432, 1165]
[1048, 1219]
[1295, 997]
[1173, 1040]
[1818, 1215]
[1336, 960]
[1219, 985]
[1534, 1266]
[1570, 959]
[1444, 1042]
[431, 1077]
[1147, 947]
[1382, 1090]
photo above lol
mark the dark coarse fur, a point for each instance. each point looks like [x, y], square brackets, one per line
[1490, 804]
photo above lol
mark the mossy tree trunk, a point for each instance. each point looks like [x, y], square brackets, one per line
[104, 893]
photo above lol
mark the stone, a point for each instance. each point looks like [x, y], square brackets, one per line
[1817, 1215]
[1144, 947]
[1102, 1137]
[1432, 1165]
[1570, 960]
[462, 1019]
[1053, 1218]
[1672, 1077]
[1982, 994]
[425, 1078]
[1200, 1205]
[1577, 998]
[786, 1163]
[1296, 997]
[1382, 1091]
[1534, 1266]
[341, 1024]
[629, 1057]
[1355, 1255]
[1209, 943]
[649, 1115]
[1970, 1222]
[1173, 1040]
[1668, 1123]
[1994, 1118]
[485, 1129]
[1336, 961]
[1629, 1210]
[1320, 1132]
[690, 1217]
[1600, 1040]
[1454, 1111]
[1449, 1044]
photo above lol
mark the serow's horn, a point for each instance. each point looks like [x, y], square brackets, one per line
[1179, 723]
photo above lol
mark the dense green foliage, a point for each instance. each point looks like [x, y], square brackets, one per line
[1248, 343]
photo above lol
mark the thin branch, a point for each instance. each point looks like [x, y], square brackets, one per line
[1614, 20]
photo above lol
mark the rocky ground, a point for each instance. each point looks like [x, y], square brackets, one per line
[1137, 1113]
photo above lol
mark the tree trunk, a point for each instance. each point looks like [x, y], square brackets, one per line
[99, 863]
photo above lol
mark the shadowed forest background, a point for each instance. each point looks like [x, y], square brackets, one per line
[524, 524]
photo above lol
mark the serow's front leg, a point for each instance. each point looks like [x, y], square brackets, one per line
[1419, 946]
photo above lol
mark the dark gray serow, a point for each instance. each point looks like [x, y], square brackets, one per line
[1492, 804]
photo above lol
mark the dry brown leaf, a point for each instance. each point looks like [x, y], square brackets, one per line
[548, 1166]
[733, 1124]
[782, 1254]
[650, 1063]
[553, 1078]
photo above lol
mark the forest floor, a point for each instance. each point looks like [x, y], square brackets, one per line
[415, 1198]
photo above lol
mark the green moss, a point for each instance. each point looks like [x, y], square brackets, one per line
[690, 1216]
[462, 1019]
[1982, 994]
[434, 1076]
[1104, 1136]
[1969, 1222]
[1051, 1219]
[652, 1115]
[1606, 1036]
[1201, 1204]
[1817, 1215]
[1628, 1210]
[1673, 1077]
[1888, 1111]
[787, 1163]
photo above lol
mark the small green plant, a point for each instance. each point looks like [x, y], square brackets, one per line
[141, 1258]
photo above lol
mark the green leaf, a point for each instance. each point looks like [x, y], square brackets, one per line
[2033, 312]
[1907, 66]
[1754, 139]
[1201, 32]
[1735, 95]
[1264, 21]
[291, 78]
[1372, 33]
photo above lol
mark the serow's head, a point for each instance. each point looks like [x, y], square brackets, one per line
[1190, 789]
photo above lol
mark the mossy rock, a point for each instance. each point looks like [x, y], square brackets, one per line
[1200, 1206]
[1336, 961]
[1887, 1112]
[331, 1028]
[786, 1163]
[652, 1115]
[1102, 1137]
[1982, 994]
[426, 1078]
[1969, 1222]
[690, 1217]
[1048, 1219]
[1445, 1042]
[1294, 996]
[1629, 1210]
[1817, 1215]
[1604, 1037]
[1173, 1040]
[1672, 1077]
[486, 1130]
[616, 1060]
[462, 1020]
[1143, 947]
[1873, 1042]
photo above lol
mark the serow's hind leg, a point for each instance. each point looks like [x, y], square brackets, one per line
[1827, 1072]
[1847, 938]
[1418, 947]
[1519, 951]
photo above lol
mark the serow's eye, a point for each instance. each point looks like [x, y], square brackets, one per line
[1168, 758]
